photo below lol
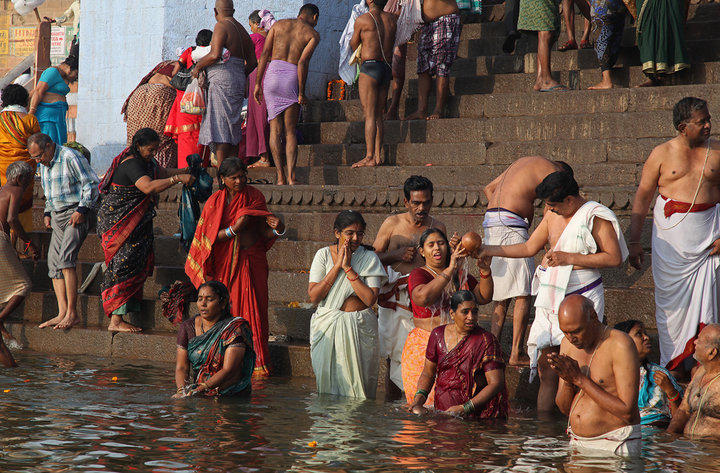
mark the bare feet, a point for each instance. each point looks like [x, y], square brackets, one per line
[650, 83]
[521, 360]
[122, 326]
[419, 115]
[547, 85]
[367, 161]
[260, 163]
[52, 322]
[68, 322]
[435, 116]
[392, 114]
[602, 85]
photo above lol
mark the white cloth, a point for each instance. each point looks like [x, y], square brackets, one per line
[23, 7]
[512, 277]
[344, 345]
[625, 442]
[545, 330]
[201, 51]
[576, 238]
[14, 281]
[348, 71]
[395, 321]
[686, 276]
[409, 21]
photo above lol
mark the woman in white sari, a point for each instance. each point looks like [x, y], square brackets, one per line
[345, 279]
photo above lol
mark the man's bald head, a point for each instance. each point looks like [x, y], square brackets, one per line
[577, 319]
[224, 6]
[707, 345]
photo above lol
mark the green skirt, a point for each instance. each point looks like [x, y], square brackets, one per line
[539, 15]
[661, 36]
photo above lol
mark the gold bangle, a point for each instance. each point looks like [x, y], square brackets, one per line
[444, 275]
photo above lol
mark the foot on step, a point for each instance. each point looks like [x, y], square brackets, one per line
[68, 322]
[52, 322]
[123, 326]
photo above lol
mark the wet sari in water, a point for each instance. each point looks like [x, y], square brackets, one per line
[243, 270]
[461, 371]
[206, 353]
[125, 221]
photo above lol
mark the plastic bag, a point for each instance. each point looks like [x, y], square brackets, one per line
[193, 101]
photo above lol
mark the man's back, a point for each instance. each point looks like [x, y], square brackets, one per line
[7, 193]
[434, 9]
[514, 189]
[235, 39]
[289, 40]
[370, 38]
[679, 168]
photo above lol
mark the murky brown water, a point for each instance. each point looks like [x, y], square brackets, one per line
[64, 414]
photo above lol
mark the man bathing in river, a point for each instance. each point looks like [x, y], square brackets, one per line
[375, 32]
[599, 374]
[699, 412]
[686, 231]
[511, 198]
[584, 236]
[281, 77]
[396, 245]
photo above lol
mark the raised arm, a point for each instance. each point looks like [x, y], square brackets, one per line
[641, 205]
[303, 65]
[382, 242]
[530, 248]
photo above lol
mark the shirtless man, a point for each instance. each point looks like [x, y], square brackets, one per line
[396, 245]
[282, 71]
[222, 122]
[583, 236]
[15, 284]
[599, 372]
[686, 231]
[510, 211]
[699, 412]
[375, 31]
[437, 50]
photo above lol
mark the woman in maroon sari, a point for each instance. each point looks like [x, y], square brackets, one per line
[466, 364]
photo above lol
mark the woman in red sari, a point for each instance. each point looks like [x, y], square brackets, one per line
[466, 365]
[233, 235]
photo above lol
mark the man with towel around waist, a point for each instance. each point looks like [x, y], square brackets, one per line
[510, 211]
[282, 71]
[599, 372]
[222, 122]
[396, 245]
[584, 236]
[686, 231]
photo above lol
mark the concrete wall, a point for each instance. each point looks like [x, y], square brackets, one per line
[122, 41]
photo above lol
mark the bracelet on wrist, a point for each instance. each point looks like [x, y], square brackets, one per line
[468, 407]
[485, 276]
[422, 392]
[674, 398]
[357, 276]
[442, 274]
[276, 233]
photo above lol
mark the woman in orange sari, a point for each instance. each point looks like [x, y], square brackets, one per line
[16, 126]
[233, 235]
[430, 288]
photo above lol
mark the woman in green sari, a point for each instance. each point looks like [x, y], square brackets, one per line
[661, 38]
[217, 346]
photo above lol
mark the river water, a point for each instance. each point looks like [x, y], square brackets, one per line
[82, 414]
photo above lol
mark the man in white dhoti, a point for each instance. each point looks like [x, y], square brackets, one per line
[584, 236]
[686, 231]
[510, 211]
[396, 244]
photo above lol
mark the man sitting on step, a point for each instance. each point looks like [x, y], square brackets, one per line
[584, 236]
[437, 50]
[15, 284]
[375, 32]
[396, 244]
[510, 211]
[686, 231]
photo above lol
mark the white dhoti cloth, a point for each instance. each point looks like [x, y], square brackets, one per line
[395, 321]
[625, 442]
[512, 277]
[686, 277]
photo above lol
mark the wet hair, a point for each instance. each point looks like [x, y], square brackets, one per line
[417, 183]
[565, 167]
[309, 9]
[221, 291]
[683, 110]
[40, 139]
[431, 231]
[203, 38]
[19, 170]
[72, 62]
[461, 296]
[557, 186]
[626, 325]
[15, 94]
[346, 218]
[143, 137]
[380, 3]
[255, 17]
[231, 166]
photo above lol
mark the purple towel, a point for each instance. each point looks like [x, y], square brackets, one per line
[280, 87]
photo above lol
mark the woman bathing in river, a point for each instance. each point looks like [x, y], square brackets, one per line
[217, 346]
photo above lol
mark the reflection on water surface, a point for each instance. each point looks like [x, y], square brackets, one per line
[70, 414]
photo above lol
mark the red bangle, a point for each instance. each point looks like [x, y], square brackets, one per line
[485, 277]
[677, 395]
[354, 279]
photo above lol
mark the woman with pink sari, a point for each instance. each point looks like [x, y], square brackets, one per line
[257, 128]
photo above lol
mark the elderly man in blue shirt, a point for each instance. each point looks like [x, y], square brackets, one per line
[71, 192]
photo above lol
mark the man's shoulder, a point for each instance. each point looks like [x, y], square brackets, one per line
[619, 341]
[392, 220]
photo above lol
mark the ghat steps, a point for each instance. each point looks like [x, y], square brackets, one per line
[493, 118]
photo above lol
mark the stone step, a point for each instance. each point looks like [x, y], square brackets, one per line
[521, 103]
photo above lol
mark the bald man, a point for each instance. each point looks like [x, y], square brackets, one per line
[222, 123]
[599, 372]
[699, 412]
